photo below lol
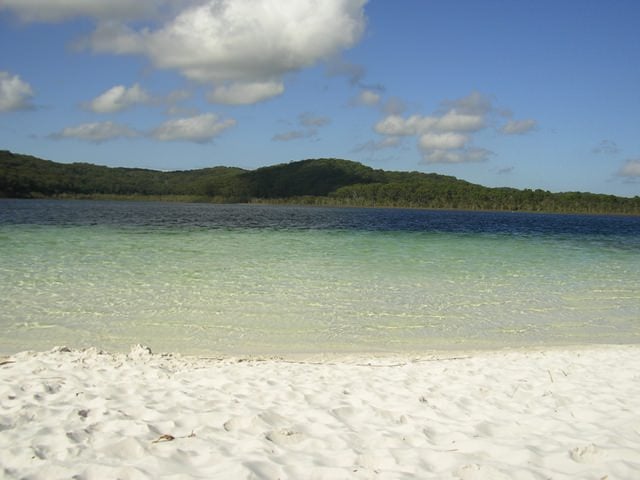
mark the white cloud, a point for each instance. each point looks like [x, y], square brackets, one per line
[397, 125]
[15, 94]
[368, 98]
[456, 121]
[119, 98]
[96, 132]
[451, 121]
[630, 169]
[446, 136]
[442, 141]
[200, 128]
[465, 155]
[59, 10]
[393, 125]
[245, 93]
[243, 48]
[518, 127]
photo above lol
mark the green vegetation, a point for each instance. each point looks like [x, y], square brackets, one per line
[310, 182]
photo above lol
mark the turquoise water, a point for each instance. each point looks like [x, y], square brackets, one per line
[211, 289]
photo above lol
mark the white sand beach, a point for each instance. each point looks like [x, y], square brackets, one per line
[555, 414]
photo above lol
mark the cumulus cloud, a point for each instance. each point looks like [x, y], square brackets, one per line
[243, 48]
[15, 94]
[518, 127]
[97, 132]
[459, 121]
[442, 141]
[396, 125]
[245, 93]
[119, 98]
[59, 10]
[369, 98]
[630, 169]
[446, 136]
[200, 128]
[451, 121]
[463, 155]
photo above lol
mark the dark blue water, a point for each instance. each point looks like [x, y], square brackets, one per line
[207, 216]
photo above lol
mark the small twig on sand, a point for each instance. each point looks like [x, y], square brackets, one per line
[169, 438]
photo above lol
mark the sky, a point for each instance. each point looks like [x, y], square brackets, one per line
[525, 94]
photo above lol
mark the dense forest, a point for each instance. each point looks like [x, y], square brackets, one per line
[312, 182]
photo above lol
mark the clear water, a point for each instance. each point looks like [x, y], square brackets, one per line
[210, 279]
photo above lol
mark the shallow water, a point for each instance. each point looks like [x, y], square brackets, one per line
[208, 279]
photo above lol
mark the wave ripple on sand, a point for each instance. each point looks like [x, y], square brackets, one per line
[557, 414]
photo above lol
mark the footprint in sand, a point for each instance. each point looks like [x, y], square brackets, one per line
[273, 419]
[256, 424]
[349, 415]
[588, 454]
[240, 423]
[284, 437]
[127, 449]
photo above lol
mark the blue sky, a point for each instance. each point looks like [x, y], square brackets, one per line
[542, 94]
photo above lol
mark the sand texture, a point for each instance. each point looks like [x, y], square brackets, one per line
[555, 414]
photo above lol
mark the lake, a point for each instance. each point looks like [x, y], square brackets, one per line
[269, 280]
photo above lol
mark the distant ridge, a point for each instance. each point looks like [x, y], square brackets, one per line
[325, 181]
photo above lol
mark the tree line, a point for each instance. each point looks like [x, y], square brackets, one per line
[326, 181]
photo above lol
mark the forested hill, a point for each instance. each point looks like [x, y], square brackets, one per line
[318, 182]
